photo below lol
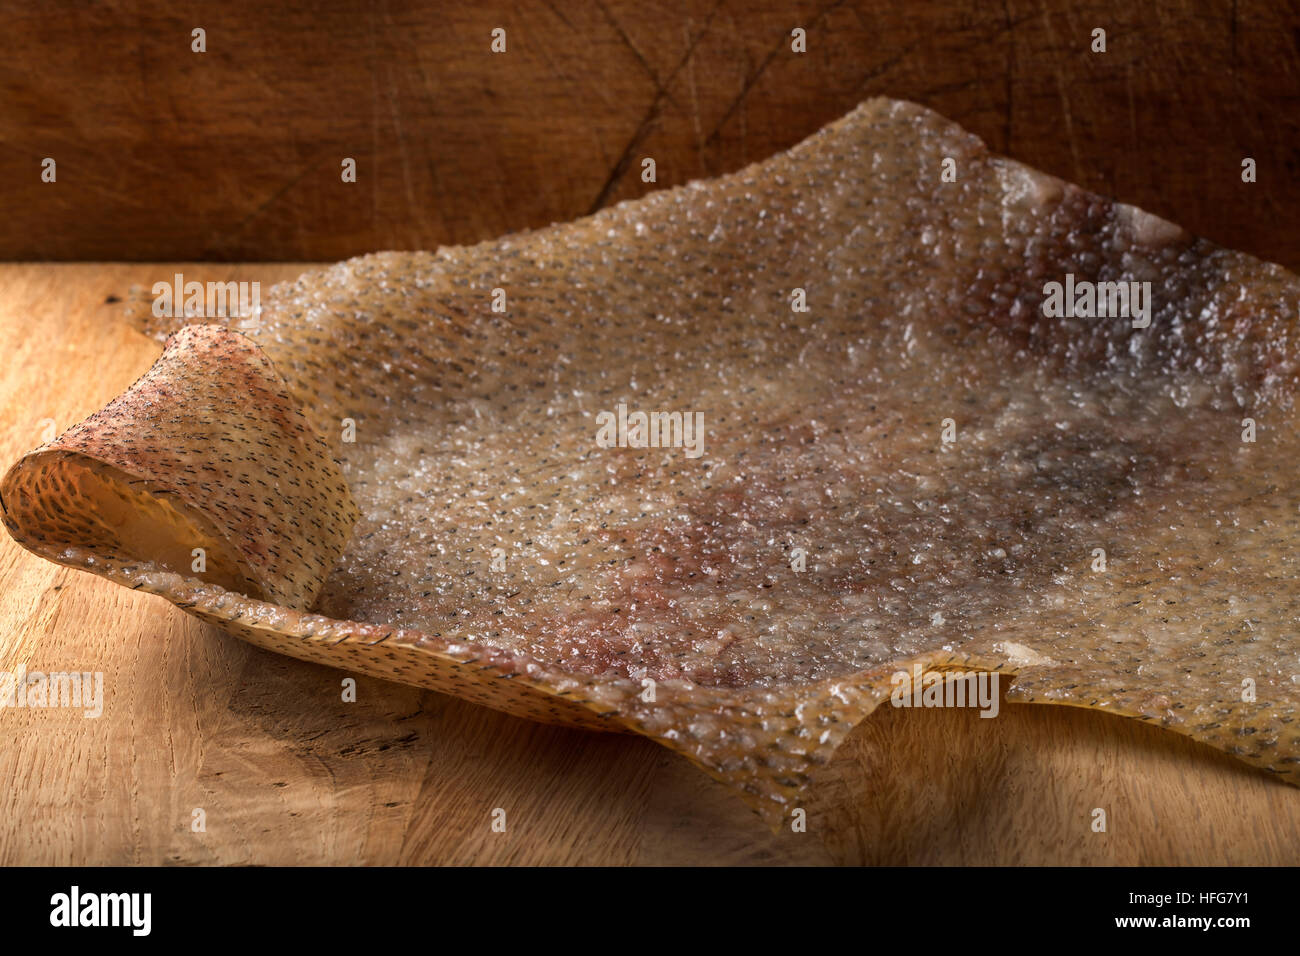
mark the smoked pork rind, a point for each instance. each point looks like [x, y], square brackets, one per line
[903, 462]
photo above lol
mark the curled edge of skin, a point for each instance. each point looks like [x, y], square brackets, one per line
[204, 465]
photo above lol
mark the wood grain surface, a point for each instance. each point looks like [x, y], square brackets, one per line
[234, 154]
[287, 773]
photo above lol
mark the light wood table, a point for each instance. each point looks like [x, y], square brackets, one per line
[286, 773]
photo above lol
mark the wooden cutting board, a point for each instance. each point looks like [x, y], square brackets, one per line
[285, 772]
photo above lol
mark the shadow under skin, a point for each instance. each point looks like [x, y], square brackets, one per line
[945, 786]
[408, 776]
[415, 777]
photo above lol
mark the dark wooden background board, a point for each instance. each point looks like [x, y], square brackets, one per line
[234, 154]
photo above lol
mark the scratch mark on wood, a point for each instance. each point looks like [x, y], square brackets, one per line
[762, 66]
[643, 128]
